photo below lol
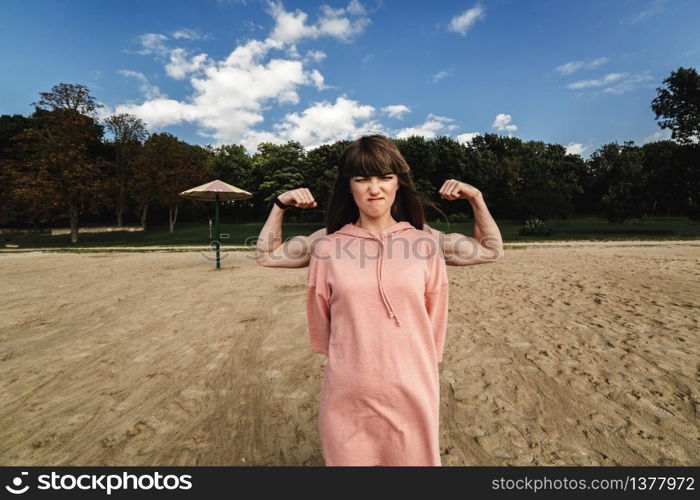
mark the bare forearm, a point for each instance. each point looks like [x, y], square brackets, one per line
[271, 233]
[486, 230]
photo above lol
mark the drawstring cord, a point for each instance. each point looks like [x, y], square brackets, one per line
[385, 298]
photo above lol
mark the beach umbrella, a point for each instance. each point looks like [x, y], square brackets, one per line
[216, 191]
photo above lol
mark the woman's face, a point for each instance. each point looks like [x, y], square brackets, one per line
[374, 196]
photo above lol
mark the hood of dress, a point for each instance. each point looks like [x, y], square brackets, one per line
[390, 232]
[353, 230]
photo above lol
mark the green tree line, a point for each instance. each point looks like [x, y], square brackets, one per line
[62, 162]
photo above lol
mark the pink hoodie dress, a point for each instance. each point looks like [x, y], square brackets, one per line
[377, 308]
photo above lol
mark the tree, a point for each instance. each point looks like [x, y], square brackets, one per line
[184, 167]
[322, 169]
[547, 182]
[279, 168]
[71, 96]
[231, 164]
[420, 157]
[499, 168]
[10, 127]
[62, 169]
[666, 183]
[129, 133]
[620, 170]
[689, 159]
[167, 167]
[449, 163]
[148, 171]
[679, 105]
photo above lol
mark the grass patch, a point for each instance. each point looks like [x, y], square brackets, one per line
[582, 228]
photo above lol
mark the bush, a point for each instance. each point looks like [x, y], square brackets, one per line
[534, 227]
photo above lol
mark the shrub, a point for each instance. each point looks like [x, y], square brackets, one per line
[534, 227]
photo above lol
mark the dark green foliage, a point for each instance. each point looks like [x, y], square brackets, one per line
[678, 104]
[535, 227]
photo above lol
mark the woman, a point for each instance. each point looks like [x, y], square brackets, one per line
[377, 304]
[377, 307]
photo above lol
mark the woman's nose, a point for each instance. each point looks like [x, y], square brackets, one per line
[374, 187]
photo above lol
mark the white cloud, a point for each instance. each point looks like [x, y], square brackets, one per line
[292, 26]
[659, 135]
[575, 148]
[149, 91]
[153, 43]
[230, 96]
[464, 21]
[317, 78]
[396, 110]
[630, 83]
[356, 8]
[574, 66]
[181, 65]
[467, 137]
[315, 55]
[655, 8]
[430, 128]
[440, 75]
[187, 34]
[502, 123]
[615, 83]
[324, 122]
[180, 62]
[235, 87]
[160, 112]
[597, 82]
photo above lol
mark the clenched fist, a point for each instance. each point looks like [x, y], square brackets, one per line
[300, 198]
[454, 190]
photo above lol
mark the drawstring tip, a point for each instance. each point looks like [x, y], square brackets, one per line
[392, 315]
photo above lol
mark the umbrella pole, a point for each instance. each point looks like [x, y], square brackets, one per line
[218, 233]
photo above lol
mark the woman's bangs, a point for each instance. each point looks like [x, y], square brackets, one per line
[362, 164]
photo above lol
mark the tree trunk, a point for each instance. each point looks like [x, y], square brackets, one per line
[172, 216]
[73, 224]
[120, 213]
[144, 213]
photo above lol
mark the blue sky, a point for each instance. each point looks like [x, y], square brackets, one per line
[578, 73]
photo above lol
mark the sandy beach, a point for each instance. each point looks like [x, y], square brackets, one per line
[555, 355]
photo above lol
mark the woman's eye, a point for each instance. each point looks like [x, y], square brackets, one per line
[384, 178]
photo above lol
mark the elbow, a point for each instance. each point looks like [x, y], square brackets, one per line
[499, 253]
[262, 259]
[491, 254]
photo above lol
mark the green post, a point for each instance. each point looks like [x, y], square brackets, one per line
[218, 234]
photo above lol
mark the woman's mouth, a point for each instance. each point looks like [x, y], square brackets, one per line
[376, 199]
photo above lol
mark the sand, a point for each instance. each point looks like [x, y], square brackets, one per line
[578, 355]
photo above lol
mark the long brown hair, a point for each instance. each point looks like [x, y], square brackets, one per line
[375, 155]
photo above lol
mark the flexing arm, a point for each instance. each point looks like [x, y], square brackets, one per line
[486, 245]
[296, 252]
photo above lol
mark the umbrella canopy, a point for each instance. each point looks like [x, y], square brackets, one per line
[216, 191]
[210, 190]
